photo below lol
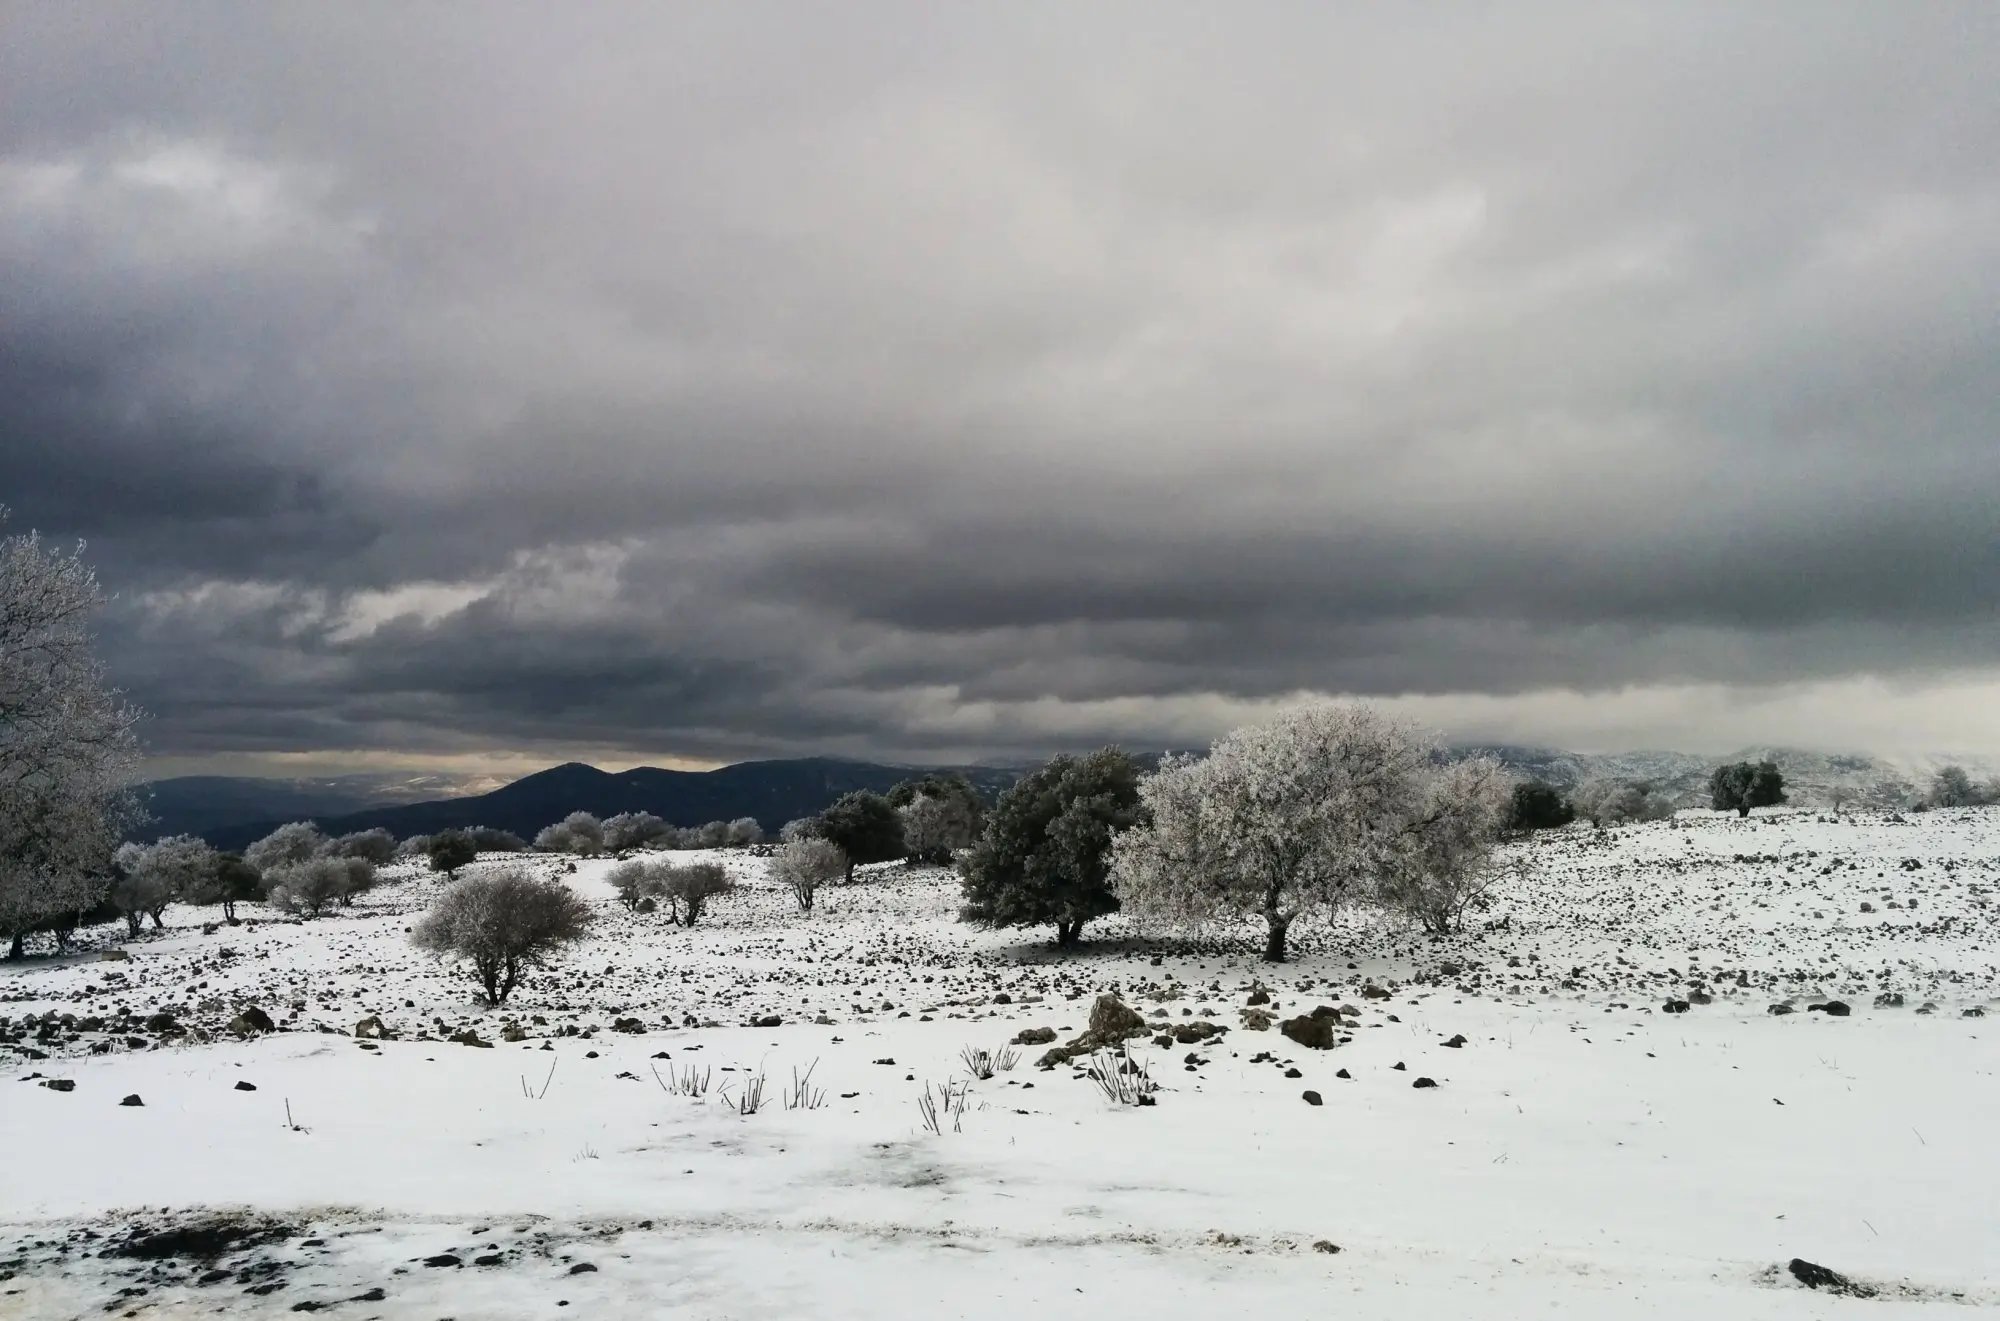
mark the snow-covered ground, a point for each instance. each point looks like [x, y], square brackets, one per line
[1584, 1152]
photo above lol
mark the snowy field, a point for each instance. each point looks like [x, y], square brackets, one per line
[1583, 1152]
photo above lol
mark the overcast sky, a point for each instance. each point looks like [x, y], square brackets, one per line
[485, 386]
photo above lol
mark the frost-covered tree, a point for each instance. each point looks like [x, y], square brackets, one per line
[377, 846]
[1952, 787]
[1044, 858]
[864, 827]
[288, 845]
[805, 827]
[1610, 802]
[67, 743]
[935, 828]
[954, 789]
[688, 889]
[503, 922]
[309, 888]
[743, 833]
[152, 876]
[637, 879]
[635, 830]
[579, 832]
[1742, 785]
[1305, 811]
[1444, 862]
[804, 865]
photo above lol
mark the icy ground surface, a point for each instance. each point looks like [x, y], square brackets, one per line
[1584, 1153]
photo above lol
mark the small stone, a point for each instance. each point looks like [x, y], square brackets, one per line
[490, 1259]
[1327, 1246]
[1780, 1008]
[1312, 1098]
[59, 1084]
[1674, 1007]
[1343, 1074]
[1034, 1036]
[133, 1099]
[1889, 1000]
[1400, 1067]
[1457, 1041]
[582, 1268]
[1311, 1031]
[246, 1086]
[443, 1259]
[375, 1295]
[1424, 1082]
[1293, 1073]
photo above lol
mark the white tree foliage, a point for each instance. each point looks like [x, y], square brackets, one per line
[804, 865]
[1452, 833]
[1304, 811]
[934, 828]
[176, 869]
[67, 742]
[287, 846]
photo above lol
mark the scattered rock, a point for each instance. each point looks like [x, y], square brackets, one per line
[1187, 1034]
[1313, 1031]
[1034, 1036]
[490, 1259]
[59, 1084]
[375, 1295]
[1780, 1008]
[1399, 1066]
[1457, 1042]
[1312, 1098]
[1258, 996]
[1976, 1011]
[582, 1268]
[768, 1020]
[1293, 1073]
[1831, 1008]
[1927, 1007]
[1424, 1082]
[1373, 992]
[1674, 1007]
[251, 1021]
[443, 1259]
[1344, 1074]
[1815, 1276]
[242, 1086]
[469, 1037]
[371, 1028]
[133, 1099]
[1256, 1020]
[1110, 1017]
[1889, 1000]
[1327, 1246]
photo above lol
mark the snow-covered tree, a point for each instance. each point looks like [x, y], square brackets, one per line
[503, 922]
[744, 832]
[1610, 802]
[804, 865]
[309, 888]
[152, 876]
[935, 828]
[579, 832]
[1952, 787]
[67, 743]
[688, 889]
[635, 830]
[1451, 833]
[231, 882]
[377, 845]
[636, 880]
[288, 845]
[1304, 811]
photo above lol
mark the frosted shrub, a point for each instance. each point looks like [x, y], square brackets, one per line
[294, 843]
[804, 865]
[307, 889]
[502, 923]
[1304, 811]
[1445, 863]
[688, 889]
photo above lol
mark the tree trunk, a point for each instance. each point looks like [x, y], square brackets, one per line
[1068, 933]
[1274, 939]
[1277, 923]
[1742, 812]
[16, 951]
[132, 921]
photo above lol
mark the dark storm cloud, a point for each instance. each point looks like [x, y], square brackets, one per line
[708, 381]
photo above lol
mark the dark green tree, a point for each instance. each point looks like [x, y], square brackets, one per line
[1742, 785]
[1539, 806]
[449, 850]
[1045, 856]
[864, 826]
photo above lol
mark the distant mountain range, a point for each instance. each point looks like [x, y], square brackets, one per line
[774, 792]
[231, 812]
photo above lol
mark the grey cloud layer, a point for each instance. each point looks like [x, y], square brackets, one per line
[709, 381]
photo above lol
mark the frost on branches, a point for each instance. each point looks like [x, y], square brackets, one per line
[66, 743]
[1322, 807]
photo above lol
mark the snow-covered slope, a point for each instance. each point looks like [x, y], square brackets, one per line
[1583, 1152]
